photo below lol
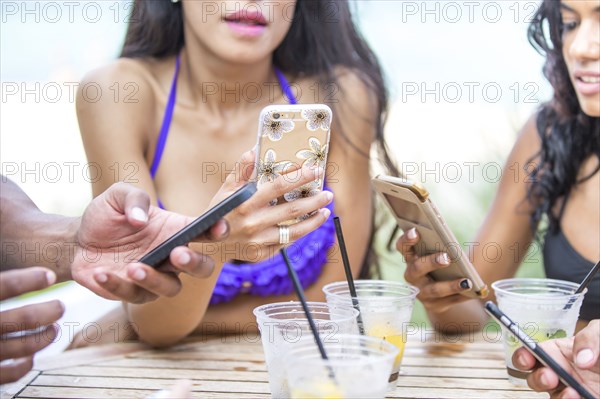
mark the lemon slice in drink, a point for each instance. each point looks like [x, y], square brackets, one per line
[322, 389]
[390, 335]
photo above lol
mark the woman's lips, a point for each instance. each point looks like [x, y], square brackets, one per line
[249, 23]
[587, 83]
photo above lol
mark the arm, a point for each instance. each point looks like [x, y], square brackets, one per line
[506, 226]
[116, 134]
[30, 237]
[99, 250]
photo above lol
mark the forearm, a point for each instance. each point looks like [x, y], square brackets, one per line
[30, 237]
[166, 321]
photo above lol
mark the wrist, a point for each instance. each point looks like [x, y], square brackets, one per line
[57, 241]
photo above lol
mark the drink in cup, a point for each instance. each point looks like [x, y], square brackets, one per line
[283, 324]
[385, 309]
[543, 308]
[357, 366]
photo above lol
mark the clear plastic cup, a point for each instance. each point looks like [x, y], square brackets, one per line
[283, 324]
[543, 308]
[385, 310]
[357, 366]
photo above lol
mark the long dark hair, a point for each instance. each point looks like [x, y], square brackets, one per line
[322, 37]
[567, 134]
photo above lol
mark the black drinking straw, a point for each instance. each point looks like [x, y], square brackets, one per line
[346, 261]
[300, 294]
[584, 283]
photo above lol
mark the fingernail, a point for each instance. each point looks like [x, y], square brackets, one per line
[544, 380]
[465, 284]
[520, 359]
[101, 278]
[138, 214]
[185, 258]
[584, 356]
[326, 212]
[139, 274]
[443, 259]
[412, 234]
[329, 195]
[51, 278]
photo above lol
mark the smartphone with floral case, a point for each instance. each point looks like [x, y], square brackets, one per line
[290, 136]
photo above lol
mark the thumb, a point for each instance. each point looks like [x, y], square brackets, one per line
[586, 346]
[131, 201]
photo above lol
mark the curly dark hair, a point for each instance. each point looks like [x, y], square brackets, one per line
[567, 134]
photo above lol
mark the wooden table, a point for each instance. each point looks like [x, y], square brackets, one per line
[233, 367]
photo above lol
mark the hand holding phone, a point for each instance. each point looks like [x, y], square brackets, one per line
[531, 345]
[290, 137]
[412, 207]
[199, 226]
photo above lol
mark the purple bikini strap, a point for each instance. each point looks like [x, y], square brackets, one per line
[285, 86]
[164, 129]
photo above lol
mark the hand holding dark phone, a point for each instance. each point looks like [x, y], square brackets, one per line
[199, 226]
[531, 345]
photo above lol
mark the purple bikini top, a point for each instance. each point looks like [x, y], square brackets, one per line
[269, 277]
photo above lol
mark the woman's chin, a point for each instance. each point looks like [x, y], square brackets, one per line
[590, 107]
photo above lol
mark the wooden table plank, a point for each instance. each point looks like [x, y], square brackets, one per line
[187, 364]
[434, 393]
[101, 393]
[10, 390]
[148, 383]
[138, 372]
[485, 373]
[84, 355]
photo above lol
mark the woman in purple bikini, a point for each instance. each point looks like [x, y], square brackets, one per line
[192, 79]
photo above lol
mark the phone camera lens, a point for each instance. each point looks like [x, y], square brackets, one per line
[276, 116]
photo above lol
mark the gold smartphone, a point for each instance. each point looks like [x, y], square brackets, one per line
[290, 136]
[411, 206]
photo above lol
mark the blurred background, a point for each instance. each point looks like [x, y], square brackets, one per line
[462, 77]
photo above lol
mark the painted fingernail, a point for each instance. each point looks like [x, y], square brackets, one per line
[465, 284]
[139, 214]
[326, 212]
[139, 274]
[101, 278]
[329, 196]
[584, 356]
[185, 258]
[50, 278]
[443, 259]
[412, 234]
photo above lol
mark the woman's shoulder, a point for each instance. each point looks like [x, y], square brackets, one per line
[529, 137]
[131, 78]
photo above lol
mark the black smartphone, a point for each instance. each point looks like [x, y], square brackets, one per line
[204, 222]
[536, 350]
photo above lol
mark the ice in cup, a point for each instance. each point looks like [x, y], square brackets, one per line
[543, 308]
[283, 324]
[385, 309]
[357, 366]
